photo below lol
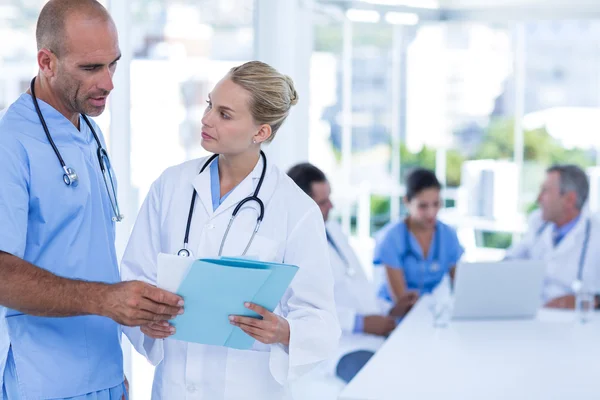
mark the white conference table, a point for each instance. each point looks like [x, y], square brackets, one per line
[552, 357]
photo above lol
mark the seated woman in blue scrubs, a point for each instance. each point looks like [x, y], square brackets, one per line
[419, 250]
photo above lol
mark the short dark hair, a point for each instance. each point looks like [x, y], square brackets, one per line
[305, 174]
[572, 179]
[420, 179]
[50, 28]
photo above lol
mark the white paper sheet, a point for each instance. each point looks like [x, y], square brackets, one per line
[171, 271]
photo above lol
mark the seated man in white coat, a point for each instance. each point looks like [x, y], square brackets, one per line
[366, 320]
[565, 235]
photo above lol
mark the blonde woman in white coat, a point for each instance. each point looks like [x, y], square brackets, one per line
[245, 109]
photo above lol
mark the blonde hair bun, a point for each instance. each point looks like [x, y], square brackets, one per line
[293, 93]
[271, 92]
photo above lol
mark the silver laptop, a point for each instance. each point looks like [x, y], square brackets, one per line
[506, 289]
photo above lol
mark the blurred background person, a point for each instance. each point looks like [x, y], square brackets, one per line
[419, 250]
[365, 319]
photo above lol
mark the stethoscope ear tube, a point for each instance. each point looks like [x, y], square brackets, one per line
[46, 130]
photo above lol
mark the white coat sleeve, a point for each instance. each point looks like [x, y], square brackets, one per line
[140, 263]
[521, 250]
[384, 305]
[309, 305]
[347, 318]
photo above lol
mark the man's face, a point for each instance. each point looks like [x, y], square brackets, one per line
[551, 201]
[320, 193]
[86, 65]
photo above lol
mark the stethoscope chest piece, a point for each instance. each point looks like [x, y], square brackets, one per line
[70, 177]
[183, 253]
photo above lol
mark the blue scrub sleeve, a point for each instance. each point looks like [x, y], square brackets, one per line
[359, 324]
[389, 248]
[14, 197]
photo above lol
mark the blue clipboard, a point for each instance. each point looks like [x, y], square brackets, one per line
[214, 289]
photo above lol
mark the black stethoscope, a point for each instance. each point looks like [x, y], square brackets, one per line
[350, 271]
[409, 249]
[185, 252]
[70, 177]
[435, 264]
[577, 285]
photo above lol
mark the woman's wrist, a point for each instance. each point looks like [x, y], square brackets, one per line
[285, 334]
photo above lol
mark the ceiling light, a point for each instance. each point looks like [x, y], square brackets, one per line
[407, 3]
[401, 18]
[356, 15]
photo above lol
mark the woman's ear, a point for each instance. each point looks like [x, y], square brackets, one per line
[263, 134]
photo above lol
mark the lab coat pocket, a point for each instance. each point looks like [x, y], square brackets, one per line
[263, 249]
[249, 376]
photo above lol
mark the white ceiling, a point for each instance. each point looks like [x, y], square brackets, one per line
[517, 3]
[483, 9]
[479, 4]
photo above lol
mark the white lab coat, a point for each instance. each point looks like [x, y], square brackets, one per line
[562, 261]
[355, 295]
[292, 232]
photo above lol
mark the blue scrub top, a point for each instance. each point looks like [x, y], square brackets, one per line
[397, 247]
[68, 231]
[215, 185]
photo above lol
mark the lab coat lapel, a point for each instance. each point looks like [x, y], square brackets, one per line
[240, 192]
[201, 183]
[543, 247]
[243, 190]
[563, 260]
[342, 243]
[573, 241]
[245, 222]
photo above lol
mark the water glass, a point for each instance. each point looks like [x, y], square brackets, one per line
[584, 306]
[442, 313]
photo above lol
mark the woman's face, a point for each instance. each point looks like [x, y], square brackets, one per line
[228, 126]
[424, 206]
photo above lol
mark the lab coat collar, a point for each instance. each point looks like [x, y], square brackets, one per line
[246, 188]
[571, 240]
[201, 183]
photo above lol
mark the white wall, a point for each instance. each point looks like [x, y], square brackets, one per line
[284, 39]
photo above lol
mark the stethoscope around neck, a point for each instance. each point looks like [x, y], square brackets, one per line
[70, 177]
[435, 264]
[185, 252]
[578, 283]
[349, 269]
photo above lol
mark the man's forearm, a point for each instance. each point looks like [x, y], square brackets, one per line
[35, 291]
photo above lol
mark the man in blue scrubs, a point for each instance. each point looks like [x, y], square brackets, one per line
[57, 256]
